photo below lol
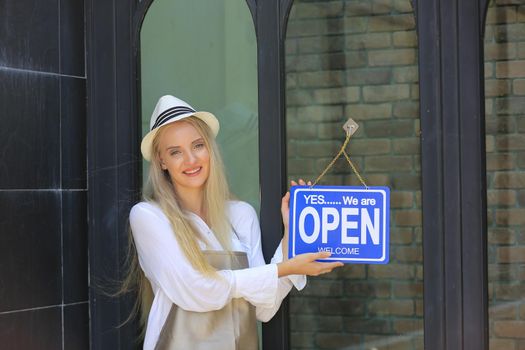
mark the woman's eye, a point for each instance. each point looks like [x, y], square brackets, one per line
[174, 153]
[199, 145]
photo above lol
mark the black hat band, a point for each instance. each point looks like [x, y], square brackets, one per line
[170, 114]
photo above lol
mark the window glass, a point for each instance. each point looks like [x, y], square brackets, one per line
[358, 59]
[505, 159]
[204, 52]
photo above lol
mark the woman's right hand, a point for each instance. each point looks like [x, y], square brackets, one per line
[306, 264]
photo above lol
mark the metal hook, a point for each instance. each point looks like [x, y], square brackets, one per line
[350, 127]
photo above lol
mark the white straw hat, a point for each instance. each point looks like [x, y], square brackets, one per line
[170, 109]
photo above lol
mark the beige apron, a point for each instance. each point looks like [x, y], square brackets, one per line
[233, 327]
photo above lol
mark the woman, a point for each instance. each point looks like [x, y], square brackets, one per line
[200, 251]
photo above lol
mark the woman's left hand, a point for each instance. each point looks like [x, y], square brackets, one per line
[285, 212]
[285, 202]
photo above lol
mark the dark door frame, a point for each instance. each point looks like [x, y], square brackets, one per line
[453, 173]
[113, 166]
[453, 162]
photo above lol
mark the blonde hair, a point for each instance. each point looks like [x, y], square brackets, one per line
[160, 190]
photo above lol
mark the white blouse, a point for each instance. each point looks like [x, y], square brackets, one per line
[174, 280]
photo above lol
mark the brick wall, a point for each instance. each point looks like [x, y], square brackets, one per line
[359, 59]
[505, 127]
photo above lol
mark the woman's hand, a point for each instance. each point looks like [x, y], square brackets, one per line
[306, 264]
[302, 264]
[285, 212]
[285, 203]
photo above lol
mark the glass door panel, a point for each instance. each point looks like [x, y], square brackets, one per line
[505, 158]
[358, 59]
[214, 68]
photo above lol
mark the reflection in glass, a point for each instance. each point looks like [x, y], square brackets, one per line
[359, 59]
[505, 146]
[214, 68]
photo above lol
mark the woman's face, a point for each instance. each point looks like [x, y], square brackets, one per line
[184, 154]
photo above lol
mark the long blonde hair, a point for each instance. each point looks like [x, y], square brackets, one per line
[160, 190]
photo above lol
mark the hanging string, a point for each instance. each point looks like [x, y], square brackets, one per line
[355, 170]
[342, 151]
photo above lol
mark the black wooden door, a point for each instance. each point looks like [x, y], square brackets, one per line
[452, 161]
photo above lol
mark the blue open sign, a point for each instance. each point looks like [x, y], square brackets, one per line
[353, 223]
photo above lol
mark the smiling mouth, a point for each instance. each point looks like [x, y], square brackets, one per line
[192, 172]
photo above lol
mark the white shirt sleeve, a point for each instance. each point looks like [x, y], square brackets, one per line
[247, 227]
[299, 281]
[166, 266]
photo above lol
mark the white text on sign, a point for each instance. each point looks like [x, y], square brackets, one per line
[347, 200]
[331, 219]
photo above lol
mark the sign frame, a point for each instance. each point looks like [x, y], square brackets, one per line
[385, 232]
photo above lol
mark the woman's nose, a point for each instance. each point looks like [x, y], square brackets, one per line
[190, 158]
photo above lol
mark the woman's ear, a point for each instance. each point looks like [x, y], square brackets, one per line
[161, 162]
